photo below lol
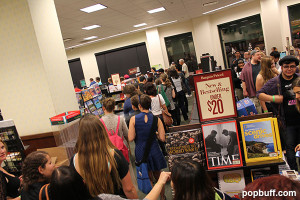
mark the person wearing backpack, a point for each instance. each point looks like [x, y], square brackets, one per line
[177, 82]
[167, 91]
[115, 126]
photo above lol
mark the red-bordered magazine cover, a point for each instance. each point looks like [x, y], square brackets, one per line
[222, 145]
[215, 95]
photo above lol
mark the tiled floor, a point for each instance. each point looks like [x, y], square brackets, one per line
[168, 190]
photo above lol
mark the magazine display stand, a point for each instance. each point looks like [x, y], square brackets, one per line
[90, 100]
[15, 148]
[223, 142]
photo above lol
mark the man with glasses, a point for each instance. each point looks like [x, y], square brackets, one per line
[279, 91]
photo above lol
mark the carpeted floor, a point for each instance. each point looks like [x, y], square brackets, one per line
[168, 190]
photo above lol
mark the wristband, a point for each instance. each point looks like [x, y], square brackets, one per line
[274, 98]
[265, 111]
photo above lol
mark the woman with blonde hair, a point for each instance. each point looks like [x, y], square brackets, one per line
[267, 72]
[102, 167]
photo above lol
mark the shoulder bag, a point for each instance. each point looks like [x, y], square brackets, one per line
[46, 192]
[167, 117]
[162, 91]
[143, 180]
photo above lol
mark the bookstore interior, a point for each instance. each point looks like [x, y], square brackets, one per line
[235, 141]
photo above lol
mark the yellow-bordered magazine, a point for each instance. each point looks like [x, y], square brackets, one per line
[261, 140]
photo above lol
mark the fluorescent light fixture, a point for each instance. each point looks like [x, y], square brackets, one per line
[156, 10]
[242, 26]
[233, 25]
[91, 27]
[244, 20]
[253, 23]
[139, 25]
[90, 38]
[224, 7]
[210, 3]
[120, 34]
[93, 8]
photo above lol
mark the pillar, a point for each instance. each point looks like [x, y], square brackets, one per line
[35, 78]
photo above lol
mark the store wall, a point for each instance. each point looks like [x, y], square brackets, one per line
[87, 53]
[25, 95]
[204, 30]
[285, 24]
[173, 29]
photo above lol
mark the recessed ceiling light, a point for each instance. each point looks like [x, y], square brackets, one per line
[120, 34]
[224, 7]
[93, 8]
[210, 3]
[90, 38]
[67, 39]
[90, 27]
[139, 25]
[156, 10]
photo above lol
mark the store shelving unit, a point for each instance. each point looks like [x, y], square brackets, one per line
[15, 148]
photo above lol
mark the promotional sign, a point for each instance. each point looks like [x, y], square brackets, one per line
[133, 71]
[215, 95]
[115, 79]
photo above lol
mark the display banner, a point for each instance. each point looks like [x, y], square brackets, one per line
[133, 71]
[215, 95]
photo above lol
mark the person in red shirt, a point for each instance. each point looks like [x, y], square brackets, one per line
[76, 89]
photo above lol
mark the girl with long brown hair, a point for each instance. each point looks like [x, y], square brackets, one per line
[102, 167]
[267, 72]
[167, 88]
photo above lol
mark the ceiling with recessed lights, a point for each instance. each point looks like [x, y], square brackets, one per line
[120, 16]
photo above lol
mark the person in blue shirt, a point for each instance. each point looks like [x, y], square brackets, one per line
[92, 82]
[98, 81]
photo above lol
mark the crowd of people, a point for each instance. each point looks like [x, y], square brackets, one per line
[268, 82]
[102, 166]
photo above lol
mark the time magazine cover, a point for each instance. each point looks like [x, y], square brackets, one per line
[222, 145]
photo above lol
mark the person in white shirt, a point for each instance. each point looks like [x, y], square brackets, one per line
[275, 55]
[185, 70]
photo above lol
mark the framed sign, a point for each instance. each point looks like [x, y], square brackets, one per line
[215, 95]
[115, 79]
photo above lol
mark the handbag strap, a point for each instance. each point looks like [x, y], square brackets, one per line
[159, 102]
[149, 141]
[46, 192]
[279, 93]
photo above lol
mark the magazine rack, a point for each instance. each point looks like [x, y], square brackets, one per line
[15, 148]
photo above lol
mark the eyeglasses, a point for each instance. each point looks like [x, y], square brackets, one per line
[291, 66]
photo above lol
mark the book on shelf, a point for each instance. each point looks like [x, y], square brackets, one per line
[232, 182]
[90, 105]
[260, 173]
[95, 112]
[97, 89]
[188, 141]
[196, 156]
[93, 92]
[86, 95]
[100, 112]
[222, 145]
[97, 103]
[261, 140]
